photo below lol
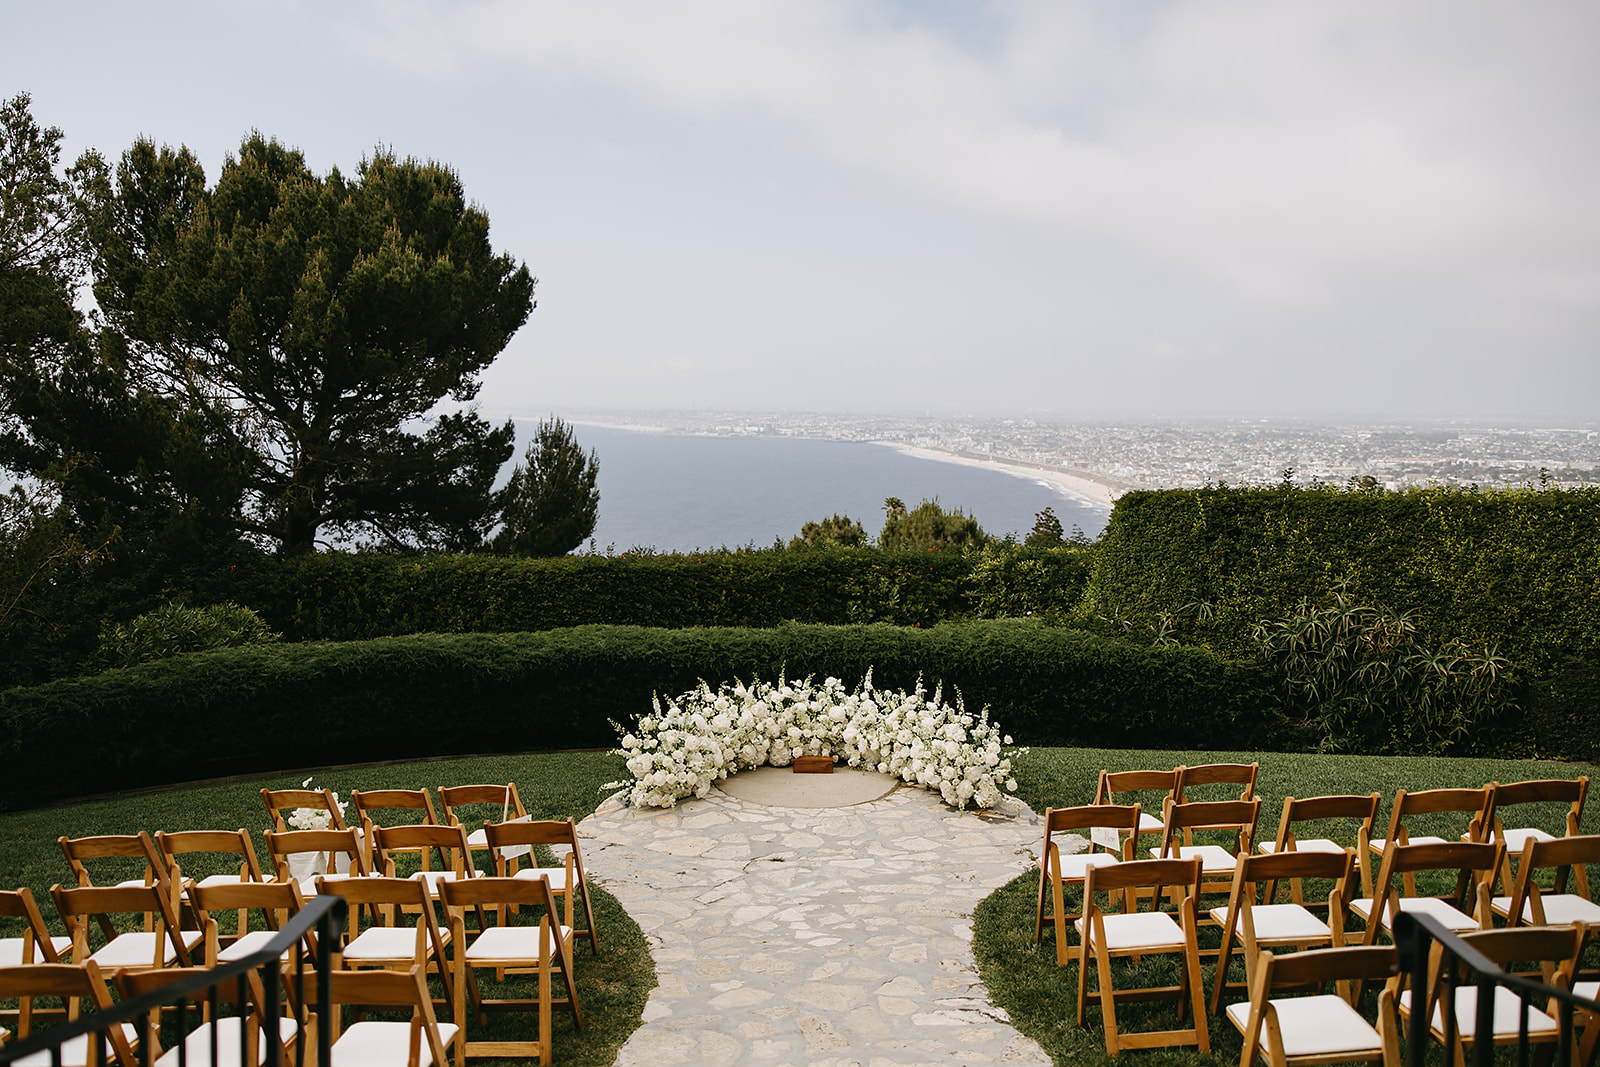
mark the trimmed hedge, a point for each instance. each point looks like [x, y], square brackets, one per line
[266, 708]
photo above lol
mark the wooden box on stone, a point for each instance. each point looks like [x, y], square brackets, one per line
[813, 765]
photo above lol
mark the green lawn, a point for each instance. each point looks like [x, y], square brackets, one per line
[1040, 996]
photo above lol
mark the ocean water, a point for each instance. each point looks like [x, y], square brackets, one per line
[680, 494]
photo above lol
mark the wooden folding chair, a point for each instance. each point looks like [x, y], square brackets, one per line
[1554, 948]
[1106, 823]
[510, 841]
[1473, 803]
[37, 944]
[162, 945]
[179, 850]
[74, 984]
[422, 1042]
[1234, 819]
[234, 1035]
[1155, 790]
[1571, 792]
[1134, 933]
[1321, 1028]
[134, 860]
[1298, 810]
[282, 802]
[305, 855]
[418, 802]
[1529, 905]
[390, 939]
[424, 840]
[1268, 924]
[277, 903]
[1463, 857]
[546, 949]
[492, 803]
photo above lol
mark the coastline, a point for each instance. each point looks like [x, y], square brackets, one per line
[1099, 491]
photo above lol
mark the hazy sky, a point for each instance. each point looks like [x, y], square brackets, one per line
[1074, 209]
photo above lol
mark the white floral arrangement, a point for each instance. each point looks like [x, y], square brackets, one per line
[314, 818]
[704, 736]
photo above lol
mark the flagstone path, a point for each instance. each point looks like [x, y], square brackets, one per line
[819, 936]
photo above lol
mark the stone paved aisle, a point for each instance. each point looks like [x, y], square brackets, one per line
[821, 936]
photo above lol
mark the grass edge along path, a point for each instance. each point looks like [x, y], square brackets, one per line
[612, 986]
[1040, 997]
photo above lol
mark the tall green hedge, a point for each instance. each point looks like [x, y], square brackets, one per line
[1516, 569]
[274, 707]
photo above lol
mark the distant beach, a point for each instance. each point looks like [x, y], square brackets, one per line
[1096, 490]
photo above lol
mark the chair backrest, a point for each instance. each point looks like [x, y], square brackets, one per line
[1141, 874]
[1471, 802]
[504, 797]
[1463, 857]
[1363, 809]
[393, 989]
[154, 902]
[414, 800]
[251, 1005]
[281, 845]
[508, 839]
[1569, 791]
[278, 902]
[219, 842]
[1115, 782]
[1364, 963]
[1239, 774]
[36, 944]
[70, 982]
[1111, 826]
[1554, 948]
[1269, 869]
[282, 802]
[1569, 856]
[423, 839]
[137, 847]
[1234, 817]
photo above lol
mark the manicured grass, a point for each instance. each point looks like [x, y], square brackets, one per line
[612, 986]
[1040, 997]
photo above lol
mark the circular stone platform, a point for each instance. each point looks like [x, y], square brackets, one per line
[781, 787]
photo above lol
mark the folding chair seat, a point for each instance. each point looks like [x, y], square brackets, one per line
[416, 803]
[1571, 792]
[421, 1042]
[277, 902]
[1269, 924]
[75, 985]
[233, 1034]
[305, 855]
[1529, 905]
[1133, 933]
[281, 805]
[1323, 1027]
[162, 945]
[1472, 803]
[491, 803]
[37, 944]
[1298, 810]
[1554, 948]
[510, 841]
[1463, 857]
[1156, 789]
[390, 939]
[425, 841]
[1119, 822]
[546, 949]
[1234, 819]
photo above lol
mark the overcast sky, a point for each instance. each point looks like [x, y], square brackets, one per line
[1066, 209]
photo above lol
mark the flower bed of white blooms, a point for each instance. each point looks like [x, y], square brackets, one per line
[703, 736]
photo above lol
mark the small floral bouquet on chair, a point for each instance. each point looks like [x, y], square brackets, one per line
[314, 818]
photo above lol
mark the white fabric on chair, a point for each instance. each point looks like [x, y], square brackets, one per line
[1322, 1025]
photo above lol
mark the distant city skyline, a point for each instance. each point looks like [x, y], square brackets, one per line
[1070, 207]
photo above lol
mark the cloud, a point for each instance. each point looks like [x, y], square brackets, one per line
[1272, 146]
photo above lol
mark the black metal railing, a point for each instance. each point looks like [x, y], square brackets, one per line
[322, 916]
[1414, 935]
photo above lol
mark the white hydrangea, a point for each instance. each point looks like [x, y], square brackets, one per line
[703, 736]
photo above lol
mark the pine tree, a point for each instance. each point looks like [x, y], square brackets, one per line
[1046, 529]
[550, 505]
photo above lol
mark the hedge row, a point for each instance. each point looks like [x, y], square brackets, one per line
[272, 707]
[1519, 570]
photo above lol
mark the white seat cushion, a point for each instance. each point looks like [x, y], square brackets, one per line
[558, 875]
[509, 942]
[379, 1044]
[433, 878]
[138, 949]
[1146, 929]
[221, 879]
[1281, 922]
[1075, 866]
[1378, 843]
[1587, 989]
[1322, 1025]
[1560, 909]
[1149, 823]
[1316, 844]
[1214, 859]
[75, 1051]
[382, 943]
[11, 950]
[253, 941]
[1439, 909]
[1516, 839]
[198, 1044]
[1507, 1013]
